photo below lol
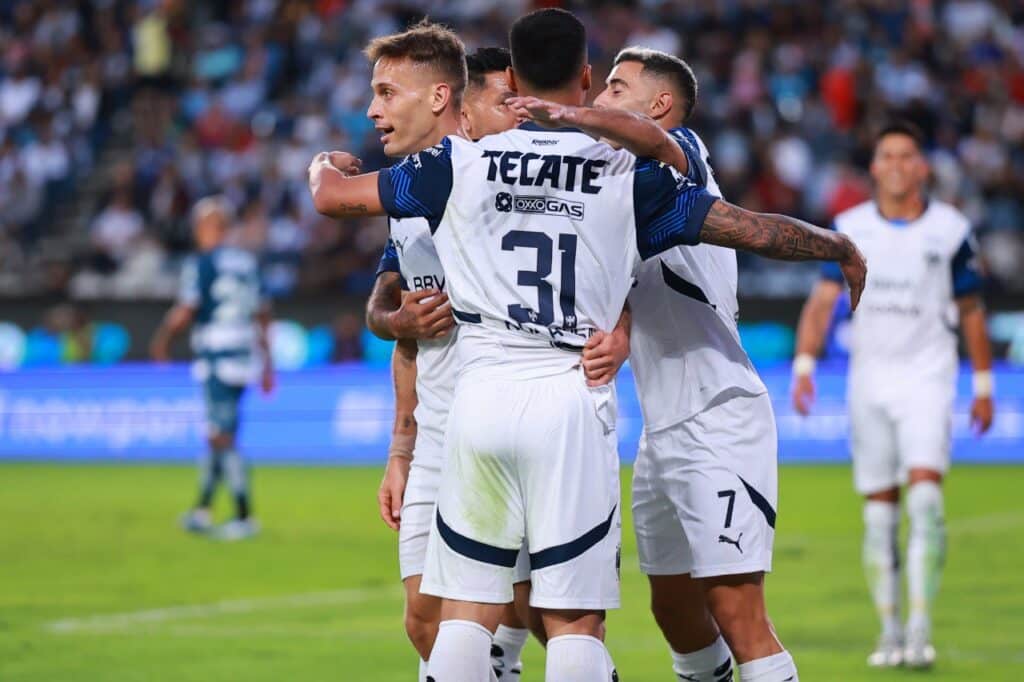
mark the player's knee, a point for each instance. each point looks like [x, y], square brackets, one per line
[422, 631]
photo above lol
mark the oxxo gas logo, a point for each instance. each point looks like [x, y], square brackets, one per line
[521, 203]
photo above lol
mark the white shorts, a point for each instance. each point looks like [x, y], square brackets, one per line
[705, 491]
[418, 513]
[893, 432]
[531, 460]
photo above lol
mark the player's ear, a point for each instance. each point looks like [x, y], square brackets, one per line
[661, 104]
[510, 76]
[441, 97]
[585, 81]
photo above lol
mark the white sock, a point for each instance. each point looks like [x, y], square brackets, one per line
[775, 668]
[461, 653]
[506, 649]
[577, 658]
[422, 677]
[881, 562]
[713, 663]
[926, 551]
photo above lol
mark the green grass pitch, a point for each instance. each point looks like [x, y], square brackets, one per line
[97, 582]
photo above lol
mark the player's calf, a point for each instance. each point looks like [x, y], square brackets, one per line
[422, 616]
[699, 653]
[738, 606]
[575, 650]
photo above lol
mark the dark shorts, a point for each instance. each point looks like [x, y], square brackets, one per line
[222, 401]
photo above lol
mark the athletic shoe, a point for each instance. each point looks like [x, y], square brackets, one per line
[919, 652]
[238, 529]
[197, 521]
[888, 653]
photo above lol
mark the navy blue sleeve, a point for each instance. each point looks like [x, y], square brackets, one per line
[669, 208]
[697, 170]
[419, 186]
[830, 269]
[389, 259]
[966, 275]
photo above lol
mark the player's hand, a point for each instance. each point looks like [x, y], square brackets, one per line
[803, 394]
[347, 163]
[424, 314]
[392, 491]
[982, 413]
[603, 355]
[267, 380]
[541, 111]
[855, 271]
[159, 351]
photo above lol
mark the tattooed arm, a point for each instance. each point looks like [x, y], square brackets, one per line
[784, 238]
[636, 133]
[390, 314]
[339, 191]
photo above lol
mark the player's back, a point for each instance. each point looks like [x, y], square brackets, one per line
[907, 317]
[224, 285]
[540, 233]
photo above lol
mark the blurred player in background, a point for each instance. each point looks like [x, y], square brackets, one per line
[418, 84]
[902, 377]
[221, 299]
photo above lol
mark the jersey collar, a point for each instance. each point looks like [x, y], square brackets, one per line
[901, 223]
[534, 127]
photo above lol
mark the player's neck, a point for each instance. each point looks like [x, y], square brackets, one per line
[446, 125]
[909, 207]
[573, 98]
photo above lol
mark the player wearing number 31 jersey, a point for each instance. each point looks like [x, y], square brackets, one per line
[540, 233]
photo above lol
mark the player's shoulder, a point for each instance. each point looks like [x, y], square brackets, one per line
[858, 217]
[947, 218]
[233, 258]
[688, 137]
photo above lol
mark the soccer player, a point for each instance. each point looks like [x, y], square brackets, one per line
[902, 377]
[530, 449]
[418, 83]
[221, 299]
[705, 479]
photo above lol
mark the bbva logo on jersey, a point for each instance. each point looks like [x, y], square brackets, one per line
[524, 203]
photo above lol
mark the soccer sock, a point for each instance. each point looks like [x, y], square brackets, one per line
[506, 649]
[578, 658]
[775, 668]
[926, 550]
[210, 471]
[422, 677]
[461, 653]
[238, 479]
[713, 663]
[882, 563]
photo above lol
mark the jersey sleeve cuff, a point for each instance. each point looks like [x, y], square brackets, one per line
[831, 272]
[702, 204]
[386, 190]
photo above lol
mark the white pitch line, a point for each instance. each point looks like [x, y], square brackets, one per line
[112, 622]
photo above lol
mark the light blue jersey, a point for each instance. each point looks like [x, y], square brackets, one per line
[223, 286]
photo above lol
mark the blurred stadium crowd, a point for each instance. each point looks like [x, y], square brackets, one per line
[115, 115]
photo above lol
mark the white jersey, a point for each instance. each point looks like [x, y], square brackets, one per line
[685, 346]
[540, 234]
[410, 252]
[905, 326]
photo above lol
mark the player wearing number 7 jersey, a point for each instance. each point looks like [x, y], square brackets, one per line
[540, 233]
